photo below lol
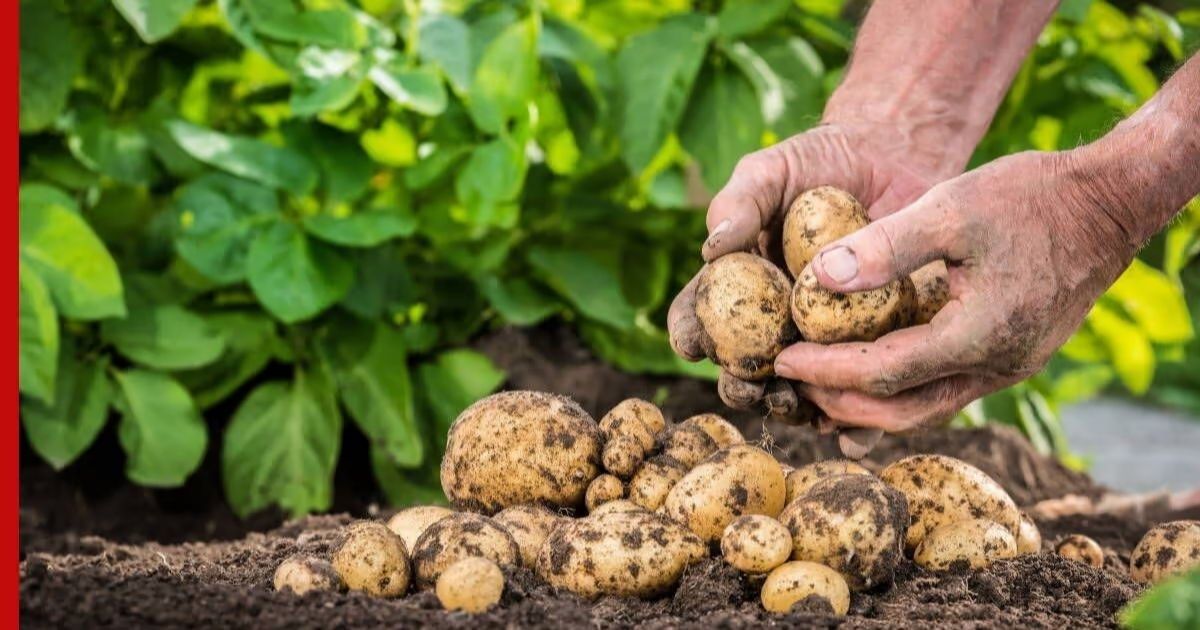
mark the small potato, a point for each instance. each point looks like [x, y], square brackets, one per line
[603, 489]
[756, 544]
[742, 307]
[620, 505]
[799, 480]
[649, 487]
[943, 490]
[529, 525]
[302, 573]
[1167, 549]
[463, 535]
[1080, 548]
[1029, 538]
[372, 559]
[737, 480]
[974, 543]
[853, 524]
[471, 585]
[623, 456]
[815, 219]
[635, 418]
[814, 587]
[689, 445]
[719, 429]
[410, 523]
[824, 316]
[624, 554]
[932, 287]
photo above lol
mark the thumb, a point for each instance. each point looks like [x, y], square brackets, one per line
[746, 204]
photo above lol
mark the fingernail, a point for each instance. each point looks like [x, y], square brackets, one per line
[840, 264]
[782, 368]
[714, 237]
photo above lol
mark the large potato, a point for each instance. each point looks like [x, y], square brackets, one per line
[463, 535]
[799, 480]
[815, 219]
[410, 523]
[815, 587]
[529, 525]
[742, 306]
[622, 553]
[654, 480]
[974, 543]
[853, 524]
[722, 432]
[944, 490]
[741, 479]
[1166, 550]
[521, 447]
[824, 316]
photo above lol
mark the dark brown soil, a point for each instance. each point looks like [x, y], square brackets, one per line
[88, 560]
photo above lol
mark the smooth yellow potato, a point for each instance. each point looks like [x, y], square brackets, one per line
[603, 489]
[301, 573]
[754, 543]
[1080, 548]
[1167, 549]
[1029, 537]
[463, 535]
[722, 432]
[411, 522]
[636, 418]
[932, 286]
[689, 445]
[742, 307]
[372, 559]
[620, 505]
[471, 585]
[737, 480]
[815, 219]
[974, 543]
[799, 480]
[529, 525]
[813, 586]
[623, 456]
[651, 484]
[824, 316]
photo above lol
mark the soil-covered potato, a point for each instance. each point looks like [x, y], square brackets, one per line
[301, 573]
[463, 535]
[742, 306]
[636, 418]
[813, 587]
[932, 287]
[620, 505]
[373, 559]
[521, 447]
[471, 585]
[529, 525]
[722, 432]
[603, 489]
[851, 523]
[754, 543]
[815, 219]
[651, 483]
[799, 480]
[1029, 537]
[824, 316]
[621, 553]
[689, 445]
[623, 456]
[737, 480]
[974, 543]
[1166, 550]
[943, 490]
[410, 523]
[1080, 548]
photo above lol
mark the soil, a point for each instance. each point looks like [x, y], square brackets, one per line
[97, 552]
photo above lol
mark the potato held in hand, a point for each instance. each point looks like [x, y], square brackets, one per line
[738, 480]
[742, 305]
[815, 219]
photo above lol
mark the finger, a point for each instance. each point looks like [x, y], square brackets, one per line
[683, 328]
[927, 405]
[857, 443]
[784, 405]
[739, 394]
[746, 204]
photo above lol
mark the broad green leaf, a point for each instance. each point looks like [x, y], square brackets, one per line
[445, 42]
[654, 93]
[115, 149]
[519, 301]
[293, 276]
[1128, 346]
[282, 446]
[419, 89]
[38, 195]
[739, 18]
[328, 80]
[392, 144]
[403, 488]
[39, 337]
[1085, 346]
[345, 167]
[722, 123]
[1081, 383]
[62, 429]
[368, 227]
[218, 216]
[436, 165]
[333, 28]
[164, 336]
[154, 19]
[452, 382]
[50, 58]
[506, 77]
[1074, 10]
[1154, 302]
[494, 174]
[786, 74]
[277, 167]
[643, 349]
[161, 431]
[249, 340]
[79, 272]
[1172, 604]
[645, 274]
[590, 286]
[382, 283]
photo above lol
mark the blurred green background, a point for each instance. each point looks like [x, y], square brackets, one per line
[304, 211]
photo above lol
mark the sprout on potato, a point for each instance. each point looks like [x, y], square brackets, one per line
[410, 523]
[603, 489]
[1080, 548]
[815, 587]
[742, 307]
[1167, 549]
[799, 480]
[463, 535]
[651, 484]
[741, 479]
[373, 559]
[301, 573]
[471, 585]
[754, 543]
[974, 543]
[529, 525]
[722, 432]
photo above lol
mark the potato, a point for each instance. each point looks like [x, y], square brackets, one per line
[301, 573]
[521, 447]
[944, 490]
[622, 456]
[463, 535]
[650, 485]
[824, 316]
[410, 523]
[801, 479]
[372, 559]
[635, 418]
[471, 585]
[815, 587]
[974, 543]
[755, 543]
[529, 525]
[722, 432]
[689, 445]
[1080, 548]
[742, 307]
[932, 286]
[737, 480]
[603, 489]
[815, 219]
[620, 553]
[853, 524]
[1029, 538]
[620, 505]
[1167, 549]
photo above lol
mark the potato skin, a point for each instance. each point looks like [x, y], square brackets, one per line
[411, 522]
[471, 585]
[1167, 549]
[529, 525]
[815, 219]
[301, 573]
[620, 505]
[651, 484]
[722, 432]
[603, 489]
[932, 286]
[942, 490]
[1080, 548]
[853, 524]
[637, 418]
[625, 554]
[462, 535]
[754, 543]
[371, 558]
[520, 447]
[974, 543]
[622, 456]
[689, 445]
[737, 480]
[1029, 537]
[799, 480]
[742, 305]
[824, 316]
[798, 581]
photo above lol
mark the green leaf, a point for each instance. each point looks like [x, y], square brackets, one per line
[328, 80]
[401, 487]
[452, 382]
[363, 228]
[786, 74]
[119, 150]
[218, 217]
[293, 276]
[592, 287]
[345, 167]
[154, 19]
[506, 77]
[654, 94]
[64, 251]
[332, 28]
[722, 123]
[277, 167]
[37, 195]
[494, 174]
[1154, 302]
[1074, 10]
[419, 89]
[39, 337]
[249, 341]
[434, 166]
[519, 301]
[50, 59]
[642, 350]
[445, 42]
[161, 431]
[62, 429]
[282, 445]
[1174, 603]
[739, 18]
[392, 144]
[1081, 383]
[1128, 346]
[164, 336]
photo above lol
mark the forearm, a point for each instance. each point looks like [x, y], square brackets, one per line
[934, 73]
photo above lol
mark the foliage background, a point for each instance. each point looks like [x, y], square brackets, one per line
[303, 210]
